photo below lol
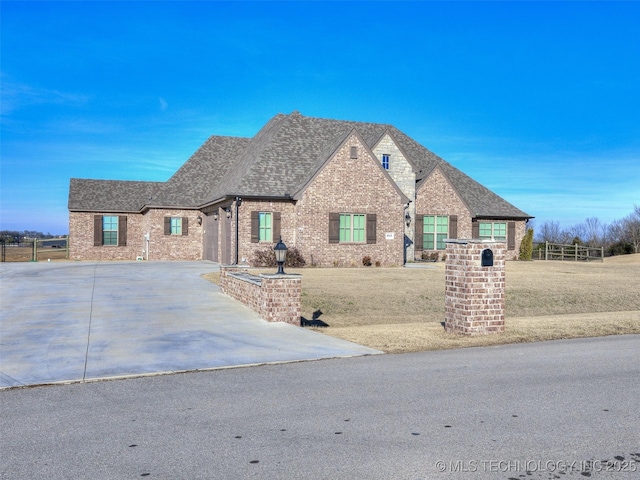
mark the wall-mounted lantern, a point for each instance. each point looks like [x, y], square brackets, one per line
[199, 220]
[407, 219]
[215, 217]
[228, 210]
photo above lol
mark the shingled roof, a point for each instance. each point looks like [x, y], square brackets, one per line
[277, 162]
[88, 195]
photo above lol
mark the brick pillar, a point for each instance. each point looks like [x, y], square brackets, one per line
[225, 270]
[281, 297]
[474, 294]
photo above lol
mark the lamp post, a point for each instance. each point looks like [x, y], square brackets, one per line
[281, 255]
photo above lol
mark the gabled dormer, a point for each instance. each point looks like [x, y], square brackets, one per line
[397, 165]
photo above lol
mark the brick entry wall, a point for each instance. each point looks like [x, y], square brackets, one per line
[275, 297]
[474, 294]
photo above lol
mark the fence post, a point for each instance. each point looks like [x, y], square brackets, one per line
[602, 254]
[546, 250]
[35, 249]
[575, 253]
[66, 248]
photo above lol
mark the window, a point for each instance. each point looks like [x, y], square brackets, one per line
[435, 230]
[110, 230]
[264, 229]
[265, 226]
[176, 226]
[495, 230]
[385, 161]
[352, 228]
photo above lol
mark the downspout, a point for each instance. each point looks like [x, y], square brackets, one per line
[238, 203]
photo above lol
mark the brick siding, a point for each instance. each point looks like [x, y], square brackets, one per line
[276, 298]
[161, 246]
[474, 295]
[347, 185]
[436, 196]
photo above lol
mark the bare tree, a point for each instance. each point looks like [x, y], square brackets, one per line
[631, 228]
[549, 232]
[594, 232]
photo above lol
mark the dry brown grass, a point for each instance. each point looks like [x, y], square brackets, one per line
[25, 254]
[401, 309]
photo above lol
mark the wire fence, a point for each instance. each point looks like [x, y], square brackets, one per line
[35, 250]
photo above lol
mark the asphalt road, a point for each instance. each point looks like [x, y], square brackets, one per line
[562, 409]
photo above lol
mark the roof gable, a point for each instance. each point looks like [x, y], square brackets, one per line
[480, 201]
[325, 159]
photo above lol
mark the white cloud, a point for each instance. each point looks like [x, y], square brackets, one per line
[18, 95]
[163, 104]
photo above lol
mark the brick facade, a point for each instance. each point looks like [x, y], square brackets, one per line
[474, 294]
[346, 178]
[348, 185]
[160, 246]
[436, 196]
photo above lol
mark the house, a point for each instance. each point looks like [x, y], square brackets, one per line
[338, 191]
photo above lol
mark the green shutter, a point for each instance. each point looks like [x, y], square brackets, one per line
[334, 228]
[122, 231]
[97, 230]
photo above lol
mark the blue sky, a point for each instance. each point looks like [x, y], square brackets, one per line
[538, 101]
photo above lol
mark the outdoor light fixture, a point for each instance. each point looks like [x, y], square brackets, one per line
[215, 217]
[228, 213]
[281, 255]
[199, 220]
[407, 219]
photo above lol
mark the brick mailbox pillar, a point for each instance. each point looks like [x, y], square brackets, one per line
[474, 287]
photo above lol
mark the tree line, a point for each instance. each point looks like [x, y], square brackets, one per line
[620, 237]
[15, 236]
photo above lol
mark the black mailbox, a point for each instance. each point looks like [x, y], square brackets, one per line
[487, 258]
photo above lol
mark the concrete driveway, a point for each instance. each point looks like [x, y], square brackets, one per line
[72, 321]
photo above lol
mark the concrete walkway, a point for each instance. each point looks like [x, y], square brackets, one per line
[76, 321]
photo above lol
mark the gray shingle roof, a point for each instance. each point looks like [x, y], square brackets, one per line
[87, 195]
[192, 184]
[278, 161]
